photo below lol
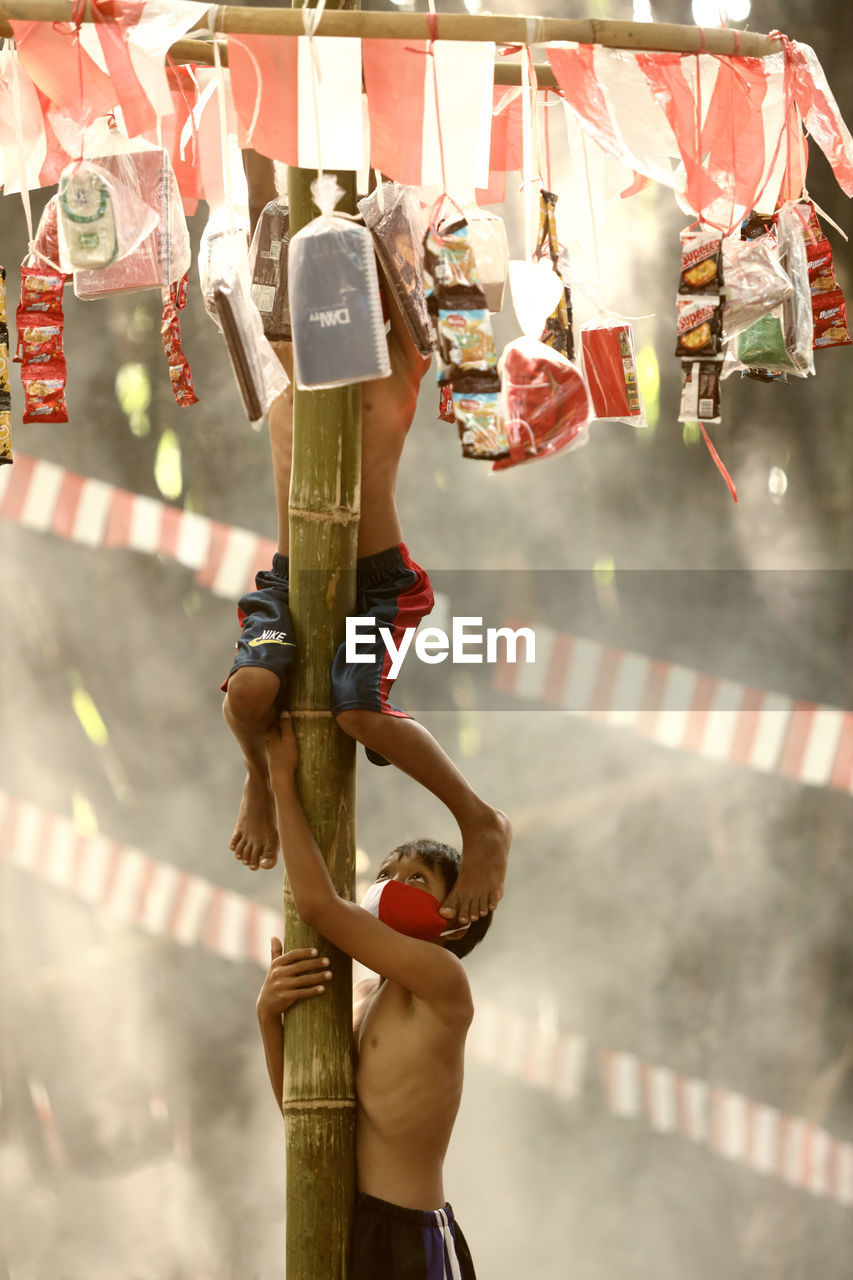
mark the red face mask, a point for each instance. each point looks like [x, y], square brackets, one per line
[407, 909]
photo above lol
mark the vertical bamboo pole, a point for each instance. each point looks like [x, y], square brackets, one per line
[319, 1091]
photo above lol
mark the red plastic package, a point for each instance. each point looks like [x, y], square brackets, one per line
[545, 404]
[607, 359]
[830, 320]
[44, 392]
[180, 375]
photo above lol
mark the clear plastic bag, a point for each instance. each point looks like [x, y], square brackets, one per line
[797, 316]
[392, 215]
[610, 371]
[162, 256]
[224, 243]
[335, 308]
[545, 406]
[487, 237]
[754, 281]
[259, 374]
[101, 218]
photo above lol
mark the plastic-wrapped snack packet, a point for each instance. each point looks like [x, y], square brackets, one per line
[558, 327]
[610, 372]
[39, 322]
[545, 405]
[392, 215]
[87, 223]
[180, 376]
[465, 345]
[223, 246]
[335, 307]
[5, 389]
[821, 270]
[162, 255]
[830, 321]
[700, 391]
[699, 326]
[701, 267]
[754, 280]
[445, 404]
[762, 344]
[268, 269]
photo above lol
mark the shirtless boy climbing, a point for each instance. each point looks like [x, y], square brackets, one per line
[391, 587]
[409, 1029]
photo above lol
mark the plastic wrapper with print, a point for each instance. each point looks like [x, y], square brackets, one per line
[257, 370]
[545, 405]
[39, 321]
[392, 215]
[102, 218]
[558, 327]
[162, 256]
[700, 391]
[465, 345]
[610, 370]
[797, 314]
[268, 270]
[335, 307]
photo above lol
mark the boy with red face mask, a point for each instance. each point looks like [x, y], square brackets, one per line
[409, 1028]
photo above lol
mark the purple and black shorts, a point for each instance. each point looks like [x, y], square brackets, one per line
[392, 1243]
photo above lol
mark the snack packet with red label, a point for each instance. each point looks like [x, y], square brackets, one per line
[830, 321]
[820, 268]
[445, 403]
[180, 375]
[44, 392]
[39, 337]
[480, 429]
[41, 289]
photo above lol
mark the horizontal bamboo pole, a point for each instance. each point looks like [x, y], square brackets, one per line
[651, 36]
[200, 52]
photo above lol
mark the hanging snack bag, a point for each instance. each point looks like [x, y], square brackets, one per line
[700, 391]
[754, 280]
[558, 327]
[699, 326]
[87, 218]
[392, 215]
[821, 271]
[830, 320]
[610, 371]
[465, 346]
[701, 265]
[268, 268]
[5, 389]
[335, 307]
[39, 322]
[174, 299]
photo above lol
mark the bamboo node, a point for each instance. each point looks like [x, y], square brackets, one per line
[333, 515]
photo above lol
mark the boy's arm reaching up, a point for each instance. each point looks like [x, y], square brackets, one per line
[424, 968]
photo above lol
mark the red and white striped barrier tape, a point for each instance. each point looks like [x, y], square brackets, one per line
[137, 889]
[687, 710]
[157, 897]
[669, 704]
[43, 496]
[730, 1125]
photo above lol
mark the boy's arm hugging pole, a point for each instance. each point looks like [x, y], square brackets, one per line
[319, 1091]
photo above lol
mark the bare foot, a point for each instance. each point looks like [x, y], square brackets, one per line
[485, 851]
[255, 838]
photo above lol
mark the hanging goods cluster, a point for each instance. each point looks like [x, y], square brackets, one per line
[134, 144]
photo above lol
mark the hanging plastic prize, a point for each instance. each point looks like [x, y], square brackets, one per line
[87, 217]
[335, 308]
